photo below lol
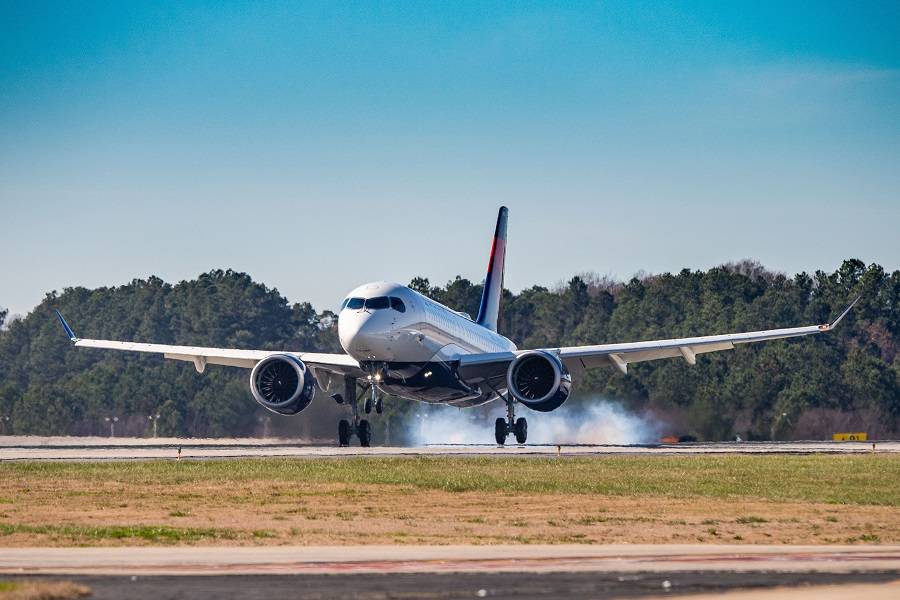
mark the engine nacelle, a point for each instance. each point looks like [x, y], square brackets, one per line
[538, 380]
[283, 384]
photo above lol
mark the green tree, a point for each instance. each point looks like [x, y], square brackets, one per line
[761, 389]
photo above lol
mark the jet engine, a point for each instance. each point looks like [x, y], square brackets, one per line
[538, 380]
[282, 383]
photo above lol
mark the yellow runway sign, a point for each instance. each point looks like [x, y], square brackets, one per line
[849, 437]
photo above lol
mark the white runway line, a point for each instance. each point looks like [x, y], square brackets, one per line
[69, 448]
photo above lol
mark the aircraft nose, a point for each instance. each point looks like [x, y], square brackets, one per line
[356, 331]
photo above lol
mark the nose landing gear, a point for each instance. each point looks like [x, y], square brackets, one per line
[374, 400]
[510, 425]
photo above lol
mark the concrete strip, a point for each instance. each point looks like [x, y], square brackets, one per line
[871, 591]
[188, 560]
[66, 441]
[30, 448]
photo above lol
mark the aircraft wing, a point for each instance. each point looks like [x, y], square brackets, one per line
[338, 364]
[489, 367]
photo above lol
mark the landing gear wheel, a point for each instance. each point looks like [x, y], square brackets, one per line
[379, 405]
[520, 429]
[500, 431]
[368, 406]
[344, 432]
[364, 431]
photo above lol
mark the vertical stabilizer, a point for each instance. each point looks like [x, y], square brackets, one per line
[489, 311]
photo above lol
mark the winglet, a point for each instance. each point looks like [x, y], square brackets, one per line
[830, 326]
[65, 325]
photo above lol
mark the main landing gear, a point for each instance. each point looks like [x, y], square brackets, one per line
[359, 427]
[510, 425]
[362, 429]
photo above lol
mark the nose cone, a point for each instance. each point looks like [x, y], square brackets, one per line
[360, 334]
[348, 327]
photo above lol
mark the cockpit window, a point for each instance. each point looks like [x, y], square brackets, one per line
[377, 303]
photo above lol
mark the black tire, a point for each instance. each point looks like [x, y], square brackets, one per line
[520, 429]
[368, 405]
[379, 405]
[364, 434]
[500, 431]
[344, 432]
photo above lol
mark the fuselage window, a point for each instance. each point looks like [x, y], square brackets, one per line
[397, 304]
[355, 303]
[378, 303]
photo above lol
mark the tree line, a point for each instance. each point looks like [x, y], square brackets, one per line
[804, 388]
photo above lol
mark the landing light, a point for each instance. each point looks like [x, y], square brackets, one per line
[377, 376]
[427, 374]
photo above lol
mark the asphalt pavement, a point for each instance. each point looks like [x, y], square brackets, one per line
[97, 448]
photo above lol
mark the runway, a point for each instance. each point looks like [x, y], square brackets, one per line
[438, 572]
[96, 448]
[497, 586]
[556, 558]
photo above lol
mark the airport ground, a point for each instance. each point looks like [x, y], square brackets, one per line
[619, 499]
[517, 523]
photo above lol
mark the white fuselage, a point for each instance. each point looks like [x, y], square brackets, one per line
[414, 330]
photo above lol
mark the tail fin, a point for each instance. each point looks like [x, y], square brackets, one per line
[489, 311]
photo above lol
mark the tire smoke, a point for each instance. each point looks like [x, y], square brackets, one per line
[590, 422]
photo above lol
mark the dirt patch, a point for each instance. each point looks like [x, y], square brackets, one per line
[77, 511]
[42, 590]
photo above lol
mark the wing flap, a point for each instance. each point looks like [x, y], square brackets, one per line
[201, 361]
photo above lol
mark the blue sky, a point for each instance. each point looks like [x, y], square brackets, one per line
[320, 145]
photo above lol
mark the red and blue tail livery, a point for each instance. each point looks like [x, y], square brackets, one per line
[489, 311]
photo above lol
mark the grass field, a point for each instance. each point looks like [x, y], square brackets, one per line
[635, 499]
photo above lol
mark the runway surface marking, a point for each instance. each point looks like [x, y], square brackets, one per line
[436, 559]
[34, 448]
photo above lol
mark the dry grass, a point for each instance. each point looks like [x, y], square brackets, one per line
[42, 590]
[795, 499]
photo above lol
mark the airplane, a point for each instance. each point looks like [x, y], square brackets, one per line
[402, 343]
